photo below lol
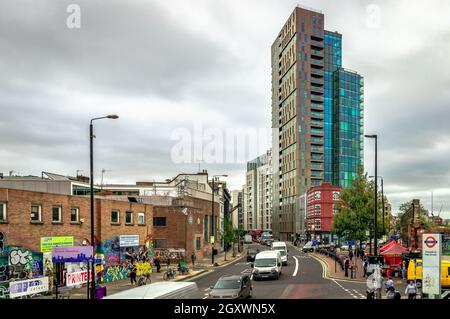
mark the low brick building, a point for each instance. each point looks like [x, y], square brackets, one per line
[321, 206]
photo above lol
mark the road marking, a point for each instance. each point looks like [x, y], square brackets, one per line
[296, 267]
[207, 289]
[205, 298]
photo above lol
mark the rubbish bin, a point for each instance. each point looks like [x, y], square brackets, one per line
[100, 292]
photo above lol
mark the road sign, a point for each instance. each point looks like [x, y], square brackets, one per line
[431, 271]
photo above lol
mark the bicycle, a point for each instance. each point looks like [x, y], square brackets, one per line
[169, 274]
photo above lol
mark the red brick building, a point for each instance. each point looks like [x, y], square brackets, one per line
[321, 207]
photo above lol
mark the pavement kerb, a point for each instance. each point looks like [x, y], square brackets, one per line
[197, 275]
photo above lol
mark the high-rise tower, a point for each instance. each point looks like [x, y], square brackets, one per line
[317, 111]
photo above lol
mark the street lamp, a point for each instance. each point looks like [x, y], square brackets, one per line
[214, 178]
[376, 195]
[91, 136]
[382, 198]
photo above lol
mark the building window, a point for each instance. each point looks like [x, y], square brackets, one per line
[36, 213]
[317, 209]
[129, 217]
[198, 243]
[317, 224]
[141, 218]
[56, 214]
[74, 215]
[115, 216]
[160, 243]
[2, 212]
[317, 195]
[159, 221]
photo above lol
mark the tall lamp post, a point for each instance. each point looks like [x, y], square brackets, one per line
[375, 195]
[382, 198]
[214, 179]
[92, 136]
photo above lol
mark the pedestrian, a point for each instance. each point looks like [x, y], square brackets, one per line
[346, 265]
[411, 290]
[389, 283]
[157, 264]
[404, 270]
[350, 254]
[193, 258]
[365, 268]
[133, 275]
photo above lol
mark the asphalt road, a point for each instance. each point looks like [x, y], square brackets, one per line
[302, 278]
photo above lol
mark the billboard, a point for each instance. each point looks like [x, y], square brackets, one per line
[77, 278]
[72, 254]
[47, 243]
[28, 287]
[128, 240]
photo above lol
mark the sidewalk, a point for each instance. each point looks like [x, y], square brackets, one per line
[335, 270]
[201, 267]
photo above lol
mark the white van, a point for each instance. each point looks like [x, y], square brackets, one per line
[160, 290]
[308, 247]
[267, 265]
[282, 248]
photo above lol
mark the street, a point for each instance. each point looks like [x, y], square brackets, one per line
[302, 278]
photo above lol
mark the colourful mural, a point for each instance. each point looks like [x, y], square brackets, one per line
[113, 273]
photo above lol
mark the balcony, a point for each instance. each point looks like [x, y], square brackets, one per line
[315, 123]
[317, 45]
[316, 149]
[316, 158]
[318, 72]
[317, 166]
[315, 97]
[317, 80]
[317, 89]
[316, 140]
[316, 53]
[316, 115]
[316, 106]
[317, 62]
[316, 132]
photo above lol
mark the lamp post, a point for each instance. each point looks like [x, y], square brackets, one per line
[382, 199]
[91, 130]
[375, 195]
[214, 178]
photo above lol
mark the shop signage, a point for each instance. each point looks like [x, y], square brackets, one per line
[72, 254]
[47, 243]
[431, 259]
[129, 240]
[77, 278]
[28, 287]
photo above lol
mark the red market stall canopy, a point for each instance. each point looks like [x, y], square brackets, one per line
[393, 248]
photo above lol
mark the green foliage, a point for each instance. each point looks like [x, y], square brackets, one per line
[355, 212]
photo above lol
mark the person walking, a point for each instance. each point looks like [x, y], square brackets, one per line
[133, 275]
[193, 258]
[389, 283]
[350, 254]
[411, 290]
[365, 268]
[157, 264]
[404, 270]
[346, 265]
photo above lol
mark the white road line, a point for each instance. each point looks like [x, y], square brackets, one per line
[296, 267]
[207, 289]
[205, 298]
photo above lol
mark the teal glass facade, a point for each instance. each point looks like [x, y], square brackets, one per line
[348, 132]
[332, 62]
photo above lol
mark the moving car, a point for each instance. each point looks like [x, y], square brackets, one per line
[282, 248]
[251, 254]
[160, 290]
[232, 287]
[308, 247]
[248, 239]
[414, 272]
[267, 265]
[266, 239]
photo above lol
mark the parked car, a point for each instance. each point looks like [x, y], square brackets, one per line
[308, 247]
[232, 287]
[267, 265]
[251, 254]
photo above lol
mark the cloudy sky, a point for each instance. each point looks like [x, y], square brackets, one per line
[170, 68]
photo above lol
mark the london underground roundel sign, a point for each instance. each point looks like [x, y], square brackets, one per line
[430, 241]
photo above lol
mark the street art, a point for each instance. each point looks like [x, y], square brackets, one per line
[164, 253]
[17, 256]
[4, 290]
[2, 243]
[113, 273]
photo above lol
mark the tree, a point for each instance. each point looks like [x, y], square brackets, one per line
[355, 210]
[229, 234]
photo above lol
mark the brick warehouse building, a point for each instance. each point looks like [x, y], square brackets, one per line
[321, 207]
[27, 216]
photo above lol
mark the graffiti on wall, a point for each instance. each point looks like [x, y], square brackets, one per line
[143, 268]
[164, 253]
[2, 244]
[118, 272]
